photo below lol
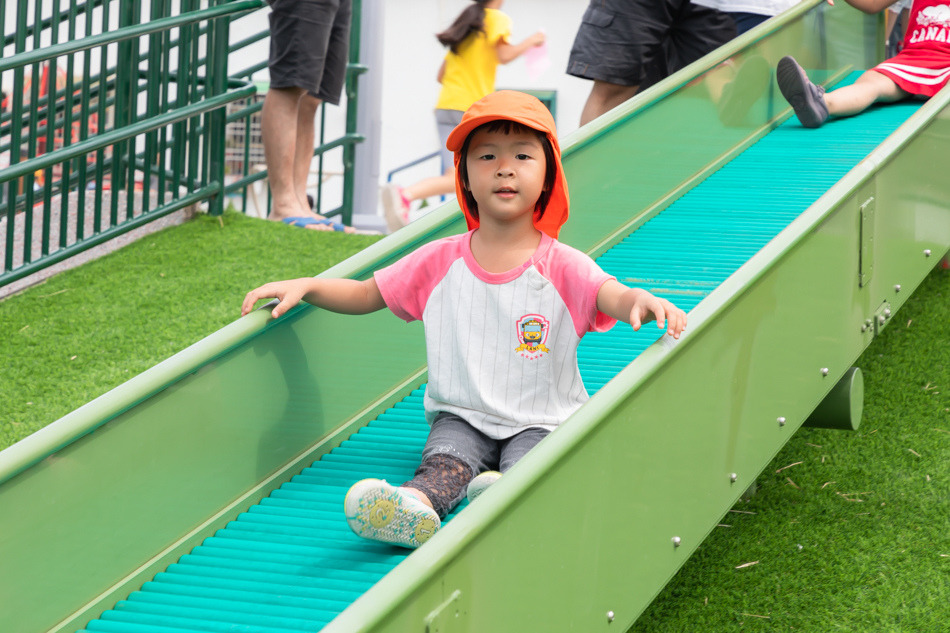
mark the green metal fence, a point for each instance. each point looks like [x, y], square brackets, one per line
[115, 114]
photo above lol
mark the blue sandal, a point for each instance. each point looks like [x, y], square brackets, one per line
[304, 221]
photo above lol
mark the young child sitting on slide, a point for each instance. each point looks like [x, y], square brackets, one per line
[504, 307]
[921, 68]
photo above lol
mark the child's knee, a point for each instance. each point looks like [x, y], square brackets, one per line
[443, 478]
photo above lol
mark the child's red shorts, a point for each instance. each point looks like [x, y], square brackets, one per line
[918, 71]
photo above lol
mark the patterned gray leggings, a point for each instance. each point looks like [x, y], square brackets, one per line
[456, 452]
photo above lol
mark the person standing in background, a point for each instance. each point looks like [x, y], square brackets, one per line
[309, 47]
[625, 46]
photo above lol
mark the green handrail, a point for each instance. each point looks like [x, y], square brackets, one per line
[126, 33]
[135, 129]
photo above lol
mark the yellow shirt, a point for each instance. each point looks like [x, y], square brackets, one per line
[470, 74]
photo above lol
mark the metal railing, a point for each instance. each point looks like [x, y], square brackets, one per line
[114, 115]
[413, 163]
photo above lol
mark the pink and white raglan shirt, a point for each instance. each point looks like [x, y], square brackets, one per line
[501, 347]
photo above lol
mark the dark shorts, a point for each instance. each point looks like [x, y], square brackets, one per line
[640, 42]
[747, 21]
[309, 46]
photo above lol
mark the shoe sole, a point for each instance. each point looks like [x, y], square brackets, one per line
[392, 203]
[377, 511]
[793, 82]
[481, 483]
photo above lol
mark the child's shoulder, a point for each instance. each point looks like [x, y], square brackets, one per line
[450, 247]
[566, 264]
[560, 251]
[497, 16]
[452, 242]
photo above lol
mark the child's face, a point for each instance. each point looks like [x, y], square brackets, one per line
[505, 173]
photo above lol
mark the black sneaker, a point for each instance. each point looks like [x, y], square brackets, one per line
[807, 99]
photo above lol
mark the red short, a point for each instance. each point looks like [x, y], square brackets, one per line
[918, 71]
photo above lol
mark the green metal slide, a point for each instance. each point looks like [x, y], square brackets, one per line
[206, 493]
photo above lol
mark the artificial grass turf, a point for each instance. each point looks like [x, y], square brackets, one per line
[867, 552]
[90, 329]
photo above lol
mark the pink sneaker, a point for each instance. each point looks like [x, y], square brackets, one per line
[395, 207]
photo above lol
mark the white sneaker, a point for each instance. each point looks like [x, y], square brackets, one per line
[382, 512]
[394, 209]
[481, 483]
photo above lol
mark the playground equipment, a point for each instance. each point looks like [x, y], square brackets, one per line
[137, 129]
[792, 249]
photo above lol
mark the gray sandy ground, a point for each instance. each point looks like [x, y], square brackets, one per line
[36, 238]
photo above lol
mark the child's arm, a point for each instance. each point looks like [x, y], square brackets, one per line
[441, 73]
[870, 6]
[637, 306]
[510, 52]
[346, 296]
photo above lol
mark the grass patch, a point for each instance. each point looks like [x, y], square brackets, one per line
[869, 552]
[90, 329]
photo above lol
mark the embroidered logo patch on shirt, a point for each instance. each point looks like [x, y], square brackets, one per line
[532, 334]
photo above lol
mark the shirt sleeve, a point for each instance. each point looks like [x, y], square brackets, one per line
[578, 279]
[407, 284]
[497, 27]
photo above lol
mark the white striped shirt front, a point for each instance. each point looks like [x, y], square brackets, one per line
[501, 347]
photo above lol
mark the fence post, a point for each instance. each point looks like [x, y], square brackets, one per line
[352, 82]
[369, 117]
[126, 98]
[217, 73]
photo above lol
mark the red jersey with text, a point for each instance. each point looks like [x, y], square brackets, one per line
[923, 66]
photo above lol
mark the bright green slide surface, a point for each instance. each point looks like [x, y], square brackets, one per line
[290, 563]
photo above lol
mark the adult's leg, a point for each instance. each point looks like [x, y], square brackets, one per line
[279, 123]
[300, 33]
[616, 43]
[333, 53]
[697, 31]
[871, 87]
[604, 97]
[303, 153]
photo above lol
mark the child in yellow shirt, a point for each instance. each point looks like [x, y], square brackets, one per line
[477, 41]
